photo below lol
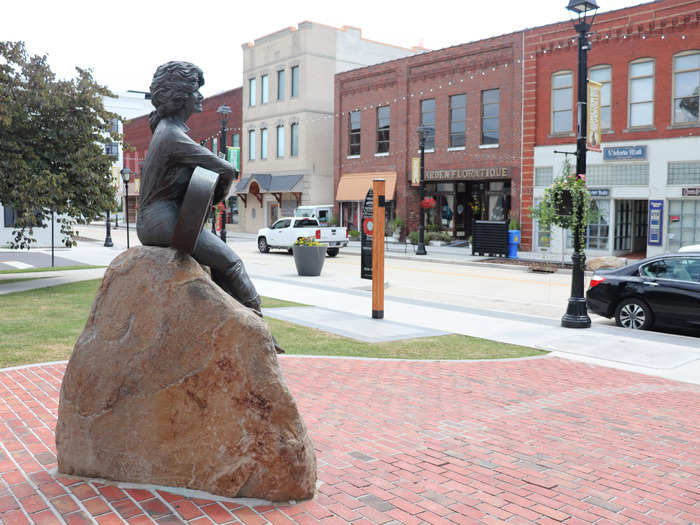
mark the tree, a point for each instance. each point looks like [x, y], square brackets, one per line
[52, 136]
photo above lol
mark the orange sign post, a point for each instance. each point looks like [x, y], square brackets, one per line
[378, 203]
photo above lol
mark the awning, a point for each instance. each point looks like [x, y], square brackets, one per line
[270, 183]
[354, 186]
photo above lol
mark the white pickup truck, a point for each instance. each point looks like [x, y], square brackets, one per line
[285, 231]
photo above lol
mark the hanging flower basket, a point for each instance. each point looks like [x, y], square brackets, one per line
[565, 203]
[427, 203]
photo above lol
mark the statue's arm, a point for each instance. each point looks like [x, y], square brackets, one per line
[188, 152]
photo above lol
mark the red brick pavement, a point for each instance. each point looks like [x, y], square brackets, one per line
[543, 441]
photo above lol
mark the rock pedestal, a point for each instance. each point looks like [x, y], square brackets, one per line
[174, 383]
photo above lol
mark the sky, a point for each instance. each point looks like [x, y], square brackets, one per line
[123, 42]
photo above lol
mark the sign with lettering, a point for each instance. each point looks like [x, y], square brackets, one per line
[656, 223]
[599, 192]
[691, 192]
[366, 240]
[467, 174]
[625, 153]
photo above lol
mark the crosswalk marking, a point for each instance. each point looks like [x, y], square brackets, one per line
[17, 264]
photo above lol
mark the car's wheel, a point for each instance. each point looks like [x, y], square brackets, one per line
[332, 252]
[635, 314]
[262, 245]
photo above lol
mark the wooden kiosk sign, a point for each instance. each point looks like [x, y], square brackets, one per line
[372, 245]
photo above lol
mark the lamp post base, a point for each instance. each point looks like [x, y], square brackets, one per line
[420, 250]
[576, 315]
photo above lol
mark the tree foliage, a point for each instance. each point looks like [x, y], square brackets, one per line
[52, 136]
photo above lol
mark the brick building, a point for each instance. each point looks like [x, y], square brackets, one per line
[648, 59]
[471, 94]
[205, 128]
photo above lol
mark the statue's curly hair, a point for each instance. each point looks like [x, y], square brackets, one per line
[171, 85]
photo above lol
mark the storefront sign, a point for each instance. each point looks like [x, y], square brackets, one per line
[691, 192]
[600, 192]
[625, 153]
[656, 222]
[467, 174]
[366, 240]
[593, 136]
[415, 171]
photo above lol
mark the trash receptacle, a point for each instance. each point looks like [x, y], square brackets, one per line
[513, 241]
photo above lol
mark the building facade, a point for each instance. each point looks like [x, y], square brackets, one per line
[470, 95]
[645, 180]
[205, 128]
[288, 116]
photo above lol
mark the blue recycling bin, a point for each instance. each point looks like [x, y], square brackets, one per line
[513, 241]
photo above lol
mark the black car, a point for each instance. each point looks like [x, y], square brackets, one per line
[662, 290]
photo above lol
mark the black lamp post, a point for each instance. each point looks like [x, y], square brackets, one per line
[224, 112]
[576, 315]
[126, 175]
[422, 132]
[108, 236]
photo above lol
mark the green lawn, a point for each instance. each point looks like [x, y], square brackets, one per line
[42, 325]
[50, 269]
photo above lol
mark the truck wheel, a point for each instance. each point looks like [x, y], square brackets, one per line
[332, 252]
[262, 245]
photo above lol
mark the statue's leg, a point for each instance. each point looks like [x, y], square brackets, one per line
[227, 269]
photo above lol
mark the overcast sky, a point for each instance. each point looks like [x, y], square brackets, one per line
[123, 42]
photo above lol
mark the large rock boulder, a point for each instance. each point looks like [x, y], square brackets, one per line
[174, 383]
[607, 262]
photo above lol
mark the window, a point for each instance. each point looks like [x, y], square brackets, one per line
[305, 223]
[280, 84]
[597, 233]
[112, 149]
[265, 89]
[603, 75]
[490, 108]
[383, 123]
[294, 152]
[686, 87]
[236, 140]
[215, 145]
[252, 88]
[562, 102]
[295, 81]
[458, 121]
[354, 130]
[9, 217]
[675, 268]
[683, 223]
[427, 118]
[280, 141]
[251, 144]
[284, 223]
[263, 143]
[641, 112]
[543, 235]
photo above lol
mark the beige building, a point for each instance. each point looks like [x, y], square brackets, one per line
[287, 131]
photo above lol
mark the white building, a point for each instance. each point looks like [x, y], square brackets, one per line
[287, 135]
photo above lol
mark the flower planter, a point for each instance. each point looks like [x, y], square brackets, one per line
[565, 206]
[309, 259]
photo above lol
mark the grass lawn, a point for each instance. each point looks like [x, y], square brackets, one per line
[42, 325]
[50, 269]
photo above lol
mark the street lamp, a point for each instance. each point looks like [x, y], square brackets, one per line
[224, 112]
[422, 132]
[126, 175]
[576, 315]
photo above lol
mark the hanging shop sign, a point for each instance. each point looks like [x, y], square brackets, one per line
[366, 239]
[625, 153]
[593, 136]
[691, 192]
[599, 192]
[467, 174]
[415, 171]
[656, 222]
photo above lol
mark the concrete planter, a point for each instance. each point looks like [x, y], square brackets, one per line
[309, 259]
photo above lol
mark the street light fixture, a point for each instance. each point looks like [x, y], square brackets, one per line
[223, 112]
[126, 175]
[422, 131]
[576, 315]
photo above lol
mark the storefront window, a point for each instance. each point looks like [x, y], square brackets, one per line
[598, 232]
[683, 223]
[543, 235]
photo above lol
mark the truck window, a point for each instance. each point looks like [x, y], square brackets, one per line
[284, 223]
[305, 223]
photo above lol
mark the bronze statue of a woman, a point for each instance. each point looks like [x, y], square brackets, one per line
[171, 159]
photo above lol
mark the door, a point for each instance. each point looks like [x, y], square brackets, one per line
[461, 212]
[277, 232]
[671, 287]
[273, 212]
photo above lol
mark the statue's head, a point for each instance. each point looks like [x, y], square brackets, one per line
[175, 87]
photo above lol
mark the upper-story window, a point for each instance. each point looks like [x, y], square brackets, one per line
[280, 141]
[280, 84]
[294, 142]
[236, 140]
[383, 124]
[295, 81]
[686, 87]
[458, 120]
[252, 91]
[603, 75]
[562, 102]
[215, 145]
[263, 143]
[251, 144]
[265, 89]
[490, 109]
[427, 118]
[354, 133]
[641, 97]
